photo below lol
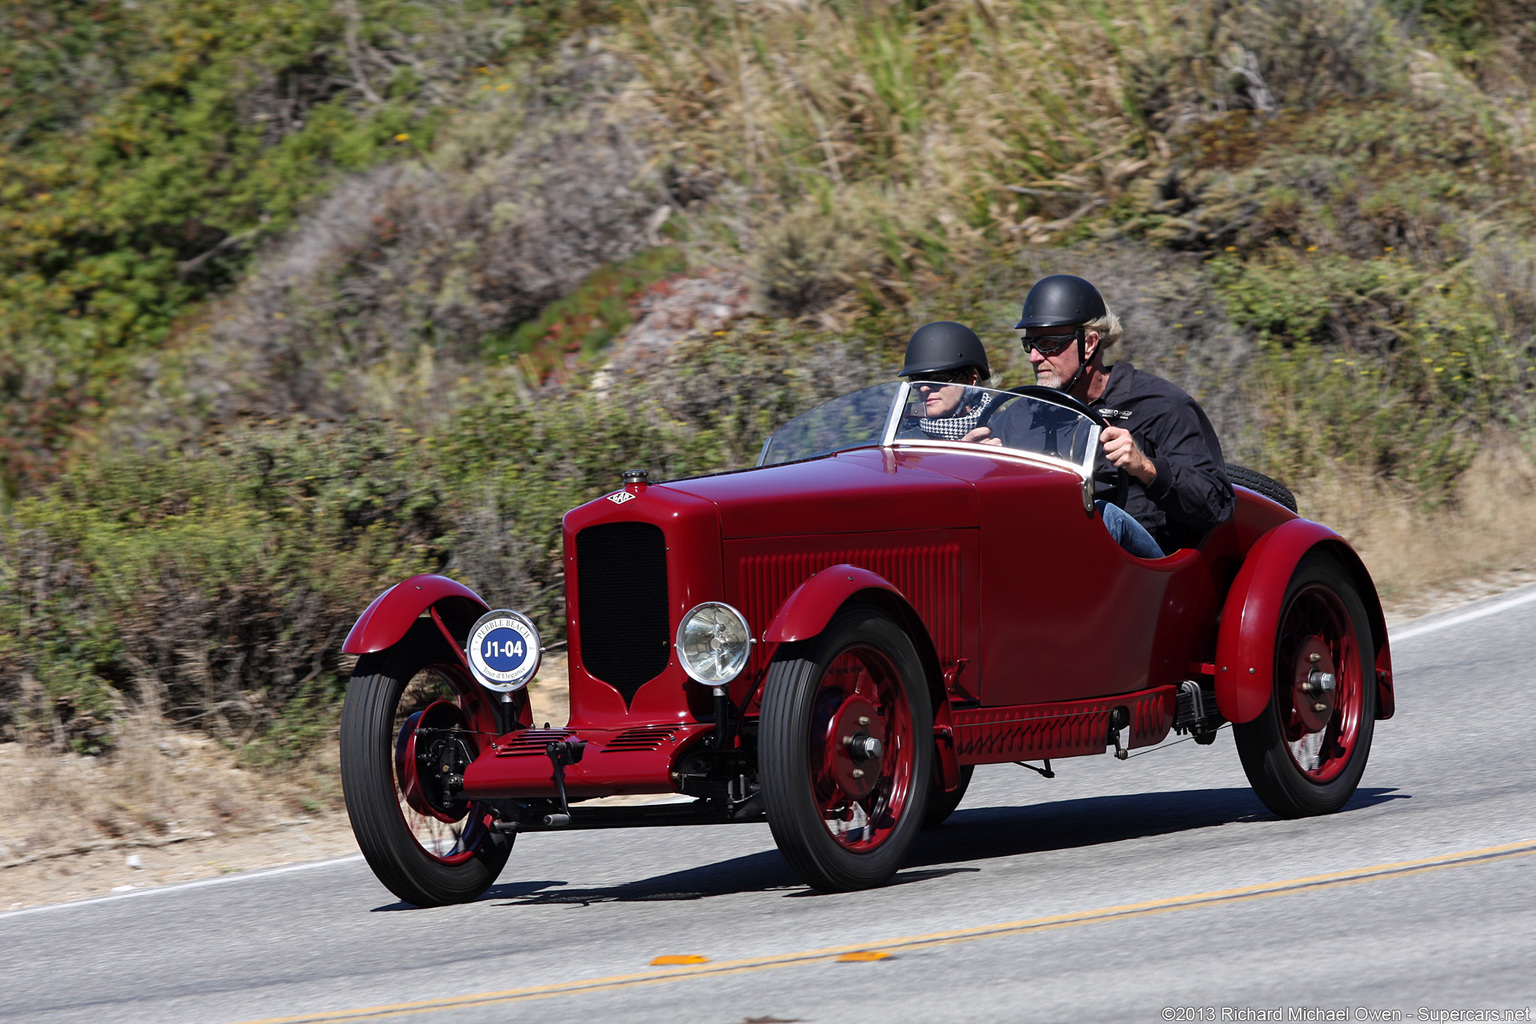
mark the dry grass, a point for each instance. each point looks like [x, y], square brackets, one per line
[164, 786]
[161, 786]
[940, 131]
[1417, 554]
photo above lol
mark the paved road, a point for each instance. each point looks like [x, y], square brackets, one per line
[1153, 889]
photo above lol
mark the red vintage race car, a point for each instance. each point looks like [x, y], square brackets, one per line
[832, 639]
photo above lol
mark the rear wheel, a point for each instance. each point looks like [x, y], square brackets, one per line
[1268, 486]
[405, 728]
[846, 751]
[1306, 752]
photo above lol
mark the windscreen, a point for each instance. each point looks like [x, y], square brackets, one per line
[852, 421]
[1004, 419]
[1037, 423]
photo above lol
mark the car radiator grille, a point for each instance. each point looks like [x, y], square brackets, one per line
[621, 581]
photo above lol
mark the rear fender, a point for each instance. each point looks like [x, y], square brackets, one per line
[1245, 645]
[807, 611]
[385, 621]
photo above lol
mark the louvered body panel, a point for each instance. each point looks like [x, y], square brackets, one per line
[528, 742]
[928, 575]
[1067, 729]
[645, 738]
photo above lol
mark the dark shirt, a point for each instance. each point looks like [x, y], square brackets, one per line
[1191, 492]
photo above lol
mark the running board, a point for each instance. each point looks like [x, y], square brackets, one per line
[1029, 732]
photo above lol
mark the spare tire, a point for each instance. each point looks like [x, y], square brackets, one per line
[1271, 488]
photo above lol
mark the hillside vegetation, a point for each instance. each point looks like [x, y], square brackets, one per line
[299, 298]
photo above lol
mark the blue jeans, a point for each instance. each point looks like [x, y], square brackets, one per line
[1128, 533]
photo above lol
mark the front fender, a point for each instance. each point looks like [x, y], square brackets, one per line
[385, 621]
[1250, 618]
[806, 612]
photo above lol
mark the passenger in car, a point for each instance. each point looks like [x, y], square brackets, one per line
[1161, 481]
[951, 356]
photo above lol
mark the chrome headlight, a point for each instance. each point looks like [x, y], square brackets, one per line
[503, 650]
[713, 642]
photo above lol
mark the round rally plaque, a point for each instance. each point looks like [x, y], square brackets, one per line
[503, 650]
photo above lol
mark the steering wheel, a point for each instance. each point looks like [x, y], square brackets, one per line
[986, 414]
[1062, 399]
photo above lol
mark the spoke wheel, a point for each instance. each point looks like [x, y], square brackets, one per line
[1306, 752]
[405, 725]
[846, 751]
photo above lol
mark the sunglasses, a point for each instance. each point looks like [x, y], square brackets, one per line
[1050, 344]
[962, 376]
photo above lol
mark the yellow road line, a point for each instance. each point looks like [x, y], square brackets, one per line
[1266, 890]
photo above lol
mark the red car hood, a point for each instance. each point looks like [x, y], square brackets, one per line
[869, 489]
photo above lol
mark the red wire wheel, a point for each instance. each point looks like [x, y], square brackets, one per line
[846, 751]
[434, 736]
[1306, 752]
[407, 722]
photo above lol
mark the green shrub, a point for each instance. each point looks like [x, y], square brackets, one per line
[149, 148]
[1383, 364]
[215, 584]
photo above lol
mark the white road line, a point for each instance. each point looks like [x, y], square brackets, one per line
[180, 886]
[1524, 596]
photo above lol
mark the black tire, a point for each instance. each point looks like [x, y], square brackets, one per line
[1301, 760]
[419, 858]
[1271, 488]
[941, 804]
[823, 700]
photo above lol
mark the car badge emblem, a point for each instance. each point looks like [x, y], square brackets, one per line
[620, 497]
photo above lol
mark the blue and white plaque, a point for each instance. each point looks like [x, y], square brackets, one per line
[503, 650]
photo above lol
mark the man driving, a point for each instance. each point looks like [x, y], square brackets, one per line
[1161, 482]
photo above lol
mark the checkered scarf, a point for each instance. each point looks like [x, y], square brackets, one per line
[953, 428]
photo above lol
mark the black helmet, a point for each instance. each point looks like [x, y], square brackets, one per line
[1061, 301]
[944, 345]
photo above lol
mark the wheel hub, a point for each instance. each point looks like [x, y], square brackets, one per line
[856, 749]
[1315, 684]
[430, 755]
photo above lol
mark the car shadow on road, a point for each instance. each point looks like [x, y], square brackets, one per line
[984, 833]
[970, 835]
[764, 871]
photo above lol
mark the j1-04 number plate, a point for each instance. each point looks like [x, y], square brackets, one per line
[503, 650]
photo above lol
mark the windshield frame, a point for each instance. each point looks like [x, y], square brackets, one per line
[889, 439]
[903, 396]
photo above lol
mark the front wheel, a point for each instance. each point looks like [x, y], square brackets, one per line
[846, 751]
[1305, 753]
[941, 804]
[406, 727]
